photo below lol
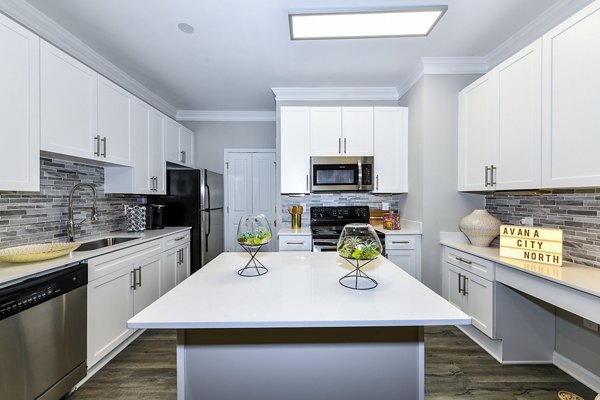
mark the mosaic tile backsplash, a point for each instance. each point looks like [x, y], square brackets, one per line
[576, 212]
[32, 217]
[335, 199]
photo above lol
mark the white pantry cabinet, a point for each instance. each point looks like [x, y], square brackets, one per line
[500, 126]
[178, 143]
[120, 284]
[19, 102]
[176, 261]
[571, 94]
[149, 169]
[390, 143]
[295, 149]
[337, 131]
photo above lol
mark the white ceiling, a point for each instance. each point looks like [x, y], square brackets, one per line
[241, 49]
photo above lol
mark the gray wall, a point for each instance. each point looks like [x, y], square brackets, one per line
[433, 164]
[32, 217]
[211, 138]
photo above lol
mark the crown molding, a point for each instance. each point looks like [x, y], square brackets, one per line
[34, 20]
[547, 20]
[226, 116]
[413, 77]
[454, 65]
[335, 93]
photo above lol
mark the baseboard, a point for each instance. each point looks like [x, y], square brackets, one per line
[577, 371]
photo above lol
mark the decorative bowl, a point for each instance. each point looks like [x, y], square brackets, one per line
[564, 395]
[253, 230]
[37, 252]
[359, 242]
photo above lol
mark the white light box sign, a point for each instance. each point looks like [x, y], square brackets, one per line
[541, 245]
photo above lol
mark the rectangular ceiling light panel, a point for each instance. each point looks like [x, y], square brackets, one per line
[365, 24]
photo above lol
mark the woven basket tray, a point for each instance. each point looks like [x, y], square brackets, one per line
[36, 252]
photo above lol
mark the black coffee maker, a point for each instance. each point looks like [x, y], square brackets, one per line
[154, 216]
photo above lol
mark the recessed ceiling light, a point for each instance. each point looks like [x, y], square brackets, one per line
[185, 28]
[365, 24]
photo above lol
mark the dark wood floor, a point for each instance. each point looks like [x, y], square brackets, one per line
[455, 367]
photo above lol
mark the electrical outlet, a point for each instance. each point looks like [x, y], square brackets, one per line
[125, 209]
[527, 221]
[592, 326]
[385, 205]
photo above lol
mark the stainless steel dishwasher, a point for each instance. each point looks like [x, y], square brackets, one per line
[43, 331]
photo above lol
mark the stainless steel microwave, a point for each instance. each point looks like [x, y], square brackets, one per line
[332, 174]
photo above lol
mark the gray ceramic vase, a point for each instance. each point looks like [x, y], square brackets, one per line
[480, 227]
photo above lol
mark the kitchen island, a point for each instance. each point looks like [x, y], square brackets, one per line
[296, 333]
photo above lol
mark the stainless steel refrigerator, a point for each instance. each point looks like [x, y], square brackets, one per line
[195, 198]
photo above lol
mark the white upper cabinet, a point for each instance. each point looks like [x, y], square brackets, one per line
[178, 142]
[571, 94]
[357, 131]
[477, 133]
[115, 122]
[19, 101]
[520, 120]
[69, 105]
[499, 132]
[325, 131]
[295, 149]
[157, 163]
[390, 142]
[341, 131]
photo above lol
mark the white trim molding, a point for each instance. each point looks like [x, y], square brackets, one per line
[226, 116]
[34, 20]
[577, 371]
[454, 65]
[335, 93]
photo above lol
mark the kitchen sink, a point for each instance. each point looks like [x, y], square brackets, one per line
[101, 243]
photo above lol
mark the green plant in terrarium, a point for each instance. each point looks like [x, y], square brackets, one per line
[253, 230]
[359, 242]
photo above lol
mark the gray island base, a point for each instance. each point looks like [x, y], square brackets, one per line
[296, 333]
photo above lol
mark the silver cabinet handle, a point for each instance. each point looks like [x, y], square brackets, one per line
[139, 283]
[180, 238]
[307, 183]
[487, 182]
[465, 285]
[299, 243]
[344, 145]
[401, 242]
[340, 145]
[464, 261]
[493, 173]
[132, 279]
[459, 279]
[103, 140]
[360, 174]
[97, 139]
[377, 182]
[181, 155]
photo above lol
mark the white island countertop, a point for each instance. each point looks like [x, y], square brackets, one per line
[301, 289]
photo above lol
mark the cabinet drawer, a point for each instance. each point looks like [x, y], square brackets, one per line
[176, 239]
[295, 243]
[400, 242]
[476, 265]
[111, 262]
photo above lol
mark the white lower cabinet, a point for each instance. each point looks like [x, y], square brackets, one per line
[295, 242]
[466, 286]
[124, 282]
[176, 261]
[405, 252]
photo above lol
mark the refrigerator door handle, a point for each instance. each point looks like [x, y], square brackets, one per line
[208, 196]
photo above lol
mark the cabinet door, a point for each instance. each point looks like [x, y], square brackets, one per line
[185, 141]
[480, 302]
[239, 195]
[452, 279]
[295, 149]
[571, 95]
[110, 305]
[520, 120]
[115, 122]
[264, 190]
[168, 276]
[147, 283]
[405, 259]
[172, 141]
[68, 104]
[357, 131]
[19, 102]
[142, 145]
[326, 131]
[183, 268]
[158, 168]
[477, 133]
[390, 139]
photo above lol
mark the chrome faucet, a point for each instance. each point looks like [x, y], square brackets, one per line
[71, 225]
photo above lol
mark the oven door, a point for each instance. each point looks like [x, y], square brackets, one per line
[341, 174]
[321, 245]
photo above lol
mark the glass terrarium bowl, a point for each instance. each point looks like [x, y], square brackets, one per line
[253, 230]
[359, 242]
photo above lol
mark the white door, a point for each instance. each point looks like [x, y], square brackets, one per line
[480, 302]
[185, 142]
[251, 189]
[170, 262]
[295, 149]
[172, 141]
[326, 131]
[390, 139]
[147, 282]
[452, 282]
[141, 156]
[405, 259]
[357, 131]
[183, 267]
[157, 163]
[19, 102]
[115, 122]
